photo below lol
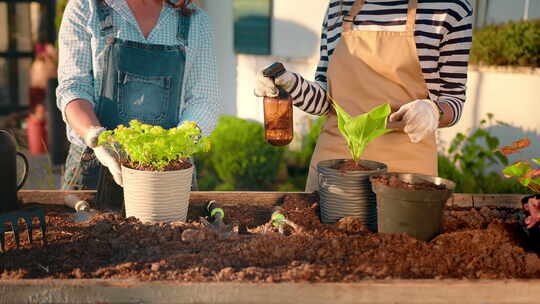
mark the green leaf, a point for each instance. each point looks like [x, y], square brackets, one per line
[147, 145]
[517, 170]
[536, 161]
[361, 130]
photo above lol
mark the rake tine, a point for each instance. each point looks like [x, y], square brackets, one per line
[43, 224]
[15, 228]
[29, 227]
[2, 240]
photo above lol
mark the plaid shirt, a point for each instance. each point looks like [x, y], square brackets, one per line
[81, 63]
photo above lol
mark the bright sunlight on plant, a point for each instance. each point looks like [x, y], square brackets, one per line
[524, 171]
[146, 145]
[361, 130]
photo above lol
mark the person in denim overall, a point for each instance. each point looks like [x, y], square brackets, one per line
[140, 81]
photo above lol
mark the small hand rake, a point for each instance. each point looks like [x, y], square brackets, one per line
[11, 210]
[9, 222]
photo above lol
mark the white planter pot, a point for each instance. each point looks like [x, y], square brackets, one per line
[153, 196]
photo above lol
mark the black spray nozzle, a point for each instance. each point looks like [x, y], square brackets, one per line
[274, 71]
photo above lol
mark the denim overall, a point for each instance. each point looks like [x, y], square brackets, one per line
[140, 81]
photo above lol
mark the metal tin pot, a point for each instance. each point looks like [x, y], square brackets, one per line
[348, 193]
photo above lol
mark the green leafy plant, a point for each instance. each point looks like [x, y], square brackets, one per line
[361, 130]
[524, 170]
[142, 145]
[473, 155]
[473, 162]
[240, 158]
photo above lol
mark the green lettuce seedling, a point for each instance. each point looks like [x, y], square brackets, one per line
[143, 145]
[524, 171]
[361, 130]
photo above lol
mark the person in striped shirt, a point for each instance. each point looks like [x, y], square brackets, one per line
[440, 40]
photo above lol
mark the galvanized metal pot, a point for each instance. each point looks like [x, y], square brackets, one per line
[417, 213]
[348, 194]
[153, 196]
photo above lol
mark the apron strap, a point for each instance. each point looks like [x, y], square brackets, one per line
[182, 33]
[411, 16]
[348, 21]
[106, 26]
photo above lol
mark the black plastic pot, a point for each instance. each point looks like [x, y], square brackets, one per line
[417, 213]
[348, 194]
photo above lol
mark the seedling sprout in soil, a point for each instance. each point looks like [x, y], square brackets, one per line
[280, 221]
[361, 130]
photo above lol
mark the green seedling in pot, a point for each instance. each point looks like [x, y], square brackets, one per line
[359, 131]
[143, 145]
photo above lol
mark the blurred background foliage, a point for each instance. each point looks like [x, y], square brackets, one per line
[240, 159]
[510, 44]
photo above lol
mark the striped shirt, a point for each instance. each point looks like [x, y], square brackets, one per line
[443, 37]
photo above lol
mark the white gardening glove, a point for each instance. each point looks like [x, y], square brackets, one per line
[421, 118]
[265, 87]
[106, 156]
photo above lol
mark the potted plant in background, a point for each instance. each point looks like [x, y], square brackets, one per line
[156, 168]
[528, 174]
[344, 186]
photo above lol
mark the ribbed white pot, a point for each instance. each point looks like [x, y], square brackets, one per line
[155, 196]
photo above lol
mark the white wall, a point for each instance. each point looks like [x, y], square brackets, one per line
[296, 31]
[296, 28]
[221, 15]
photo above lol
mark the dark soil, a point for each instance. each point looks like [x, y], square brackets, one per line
[394, 182]
[350, 165]
[476, 244]
[173, 166]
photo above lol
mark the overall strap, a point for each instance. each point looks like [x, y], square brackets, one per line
[348, 21]
[182, 33]
[106, 26]
[411, 16]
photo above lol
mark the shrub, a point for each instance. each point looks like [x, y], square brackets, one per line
[471, 157]
[513, 43]
[240, 157]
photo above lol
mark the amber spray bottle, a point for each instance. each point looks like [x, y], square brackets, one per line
[278, 111]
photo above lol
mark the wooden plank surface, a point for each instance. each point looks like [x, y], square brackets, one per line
[271, 198]
[56, 197]
[373, 292]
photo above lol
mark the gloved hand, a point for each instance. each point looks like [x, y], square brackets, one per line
[266, 87]
[106, 156]
[421, 117]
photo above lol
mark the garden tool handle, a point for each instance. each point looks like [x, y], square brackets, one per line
[76, 203]
[25, 174]
[214, 208]
[396, 125]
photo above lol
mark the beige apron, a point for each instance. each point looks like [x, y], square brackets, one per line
[368, 69]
